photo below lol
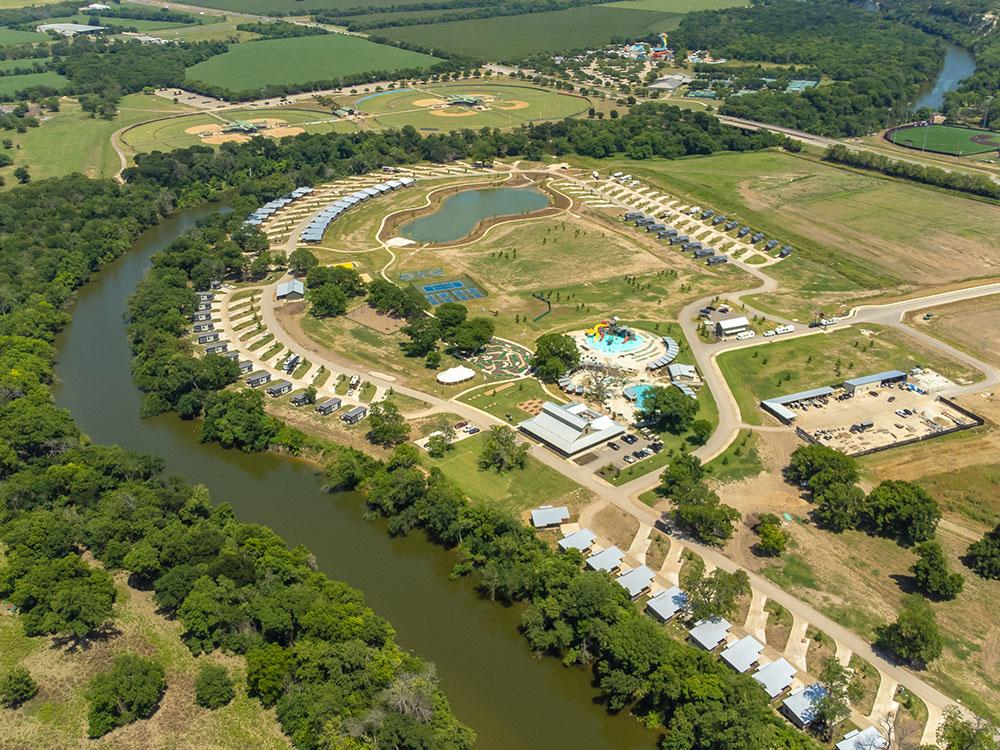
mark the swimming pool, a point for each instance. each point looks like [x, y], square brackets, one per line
[610, 343]
[637, 393]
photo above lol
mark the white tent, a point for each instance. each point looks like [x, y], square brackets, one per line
[456, 375]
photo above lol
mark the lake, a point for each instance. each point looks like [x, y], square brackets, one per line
[460, 213]
[510, 696]
[958, 65]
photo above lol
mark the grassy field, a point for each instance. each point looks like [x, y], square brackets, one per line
[796, 364]
[947, 139]
[57, 716]
[172, 133]
[301, 60]
[70, 140]
[507, 106]
[677, 6]
[218, 29]
[140, 24]
[504, 400]
[514, 491]
[852, 233]
[513, 37]
[9, 37]
[281, 6]
[972, 326]
[9, 85]
[860, 581]
[739, 461]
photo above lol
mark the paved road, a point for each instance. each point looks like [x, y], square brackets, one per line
[730, 422]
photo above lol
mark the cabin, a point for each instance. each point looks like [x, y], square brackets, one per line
[581, 540]
[776, 677]
[771, 244]
[703, 252]
[636, 581]
[208, 338]
[709, 633]
[744, 231]
[246, 367]
[217, 347]
[743, 654]
[257, 379]
[291, 290]
[786, 250]
[547, 516]
[732, 326]
[800, 707]
[607, 560]
[329, 406]
[718, 220]
[355, 415]
[666, 604]
[716, 260]
[233, 355]
[757, 237]
[303, 398]
[202, 327]
[731, 225]
[278, 388]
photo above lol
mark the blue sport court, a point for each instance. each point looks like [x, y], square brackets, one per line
[450, 291]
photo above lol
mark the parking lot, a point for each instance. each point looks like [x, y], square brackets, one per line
[877, 418]
[462, 429]
[626, 450]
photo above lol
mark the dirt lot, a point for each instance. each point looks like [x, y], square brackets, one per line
[830, 423]
[616, 525]
[972, 326]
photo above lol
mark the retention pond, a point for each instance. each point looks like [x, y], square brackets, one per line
[460, 213]
[512, 698]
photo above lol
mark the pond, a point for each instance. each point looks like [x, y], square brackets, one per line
[460, 213]
[510, 696]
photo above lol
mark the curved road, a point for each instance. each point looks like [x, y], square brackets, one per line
[625, 497]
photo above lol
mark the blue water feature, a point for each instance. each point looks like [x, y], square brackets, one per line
[460, 213]
[611, 343]
[637, 393]
[958, 65]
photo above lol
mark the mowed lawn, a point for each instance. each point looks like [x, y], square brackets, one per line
[796, 364]
[513, 37]
[13, 36]
[947, 139]
[254, 65]
[9, 85]
[70, 140]
[283, 7]
[513, 491]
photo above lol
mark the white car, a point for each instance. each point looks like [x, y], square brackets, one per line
[616, 175]
[768, 334]
[744, 335]
[595, 174]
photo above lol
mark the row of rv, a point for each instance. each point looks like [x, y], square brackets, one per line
[317, 226]
[281, 387]
[708, 215]
[264, 212]
[671, 235]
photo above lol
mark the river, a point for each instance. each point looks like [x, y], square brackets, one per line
[512, 698]
[958, 65]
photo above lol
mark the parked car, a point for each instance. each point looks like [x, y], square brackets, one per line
[614, 446]
[629, 460]
[473, 430]
[629, 439]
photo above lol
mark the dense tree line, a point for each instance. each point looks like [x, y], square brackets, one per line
[584, 617]
[875, 64]
[280, 29]
[648, 130]
[964, 182]
[697, 509]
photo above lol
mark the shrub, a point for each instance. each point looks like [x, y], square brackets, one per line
[213, 688]
[129, 691]
[17, 687]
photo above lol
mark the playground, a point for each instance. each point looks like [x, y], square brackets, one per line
[473, 105]
[611, 337]
[945, 139]
[503, 359]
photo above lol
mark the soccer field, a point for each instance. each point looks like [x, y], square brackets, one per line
[426, 108]
[274, 62]
[947, 139]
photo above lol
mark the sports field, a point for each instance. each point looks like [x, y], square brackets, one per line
[11, 84]
[514, 37]
[204, 129]
[426, 108]
[300, 60]
[947, 139]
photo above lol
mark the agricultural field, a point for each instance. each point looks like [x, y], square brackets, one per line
[515, 37]
[215, 28]
[947, 139]
[677, 6]
[760, 372]
[9, 85]
[10, 37]
[140, 24]
[204, 129]
[281, 7]
[70, 140]
[426, 108]
[57, 716]
[275, 62]
[853, 233]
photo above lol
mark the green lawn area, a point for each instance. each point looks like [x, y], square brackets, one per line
[948, 139]
[504, 400]
[255, 65]
[797, 364]
[739, 461]
[9, 37]
[70, 140]
[513, 491]
[9, 85]
[513, 37]
[677, 6]
[281, 7]
[140, 24]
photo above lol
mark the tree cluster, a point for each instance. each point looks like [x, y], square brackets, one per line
[451, 325]
[697, 509]
[555, 355]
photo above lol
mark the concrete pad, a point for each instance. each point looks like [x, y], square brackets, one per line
[756, 623]
[843, 654]
[640, 543]
[934, 716]
[798, 644]
[885, 702]
[671, 567]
